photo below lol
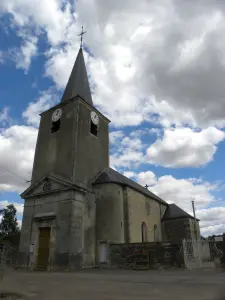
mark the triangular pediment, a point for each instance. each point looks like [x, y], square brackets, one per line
[48, 184]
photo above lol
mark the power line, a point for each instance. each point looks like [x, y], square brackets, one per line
[16, 175]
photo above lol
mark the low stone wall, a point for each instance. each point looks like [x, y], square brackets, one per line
[221, 246]
[146, 255]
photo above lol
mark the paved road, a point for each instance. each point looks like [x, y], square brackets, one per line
[118, 284]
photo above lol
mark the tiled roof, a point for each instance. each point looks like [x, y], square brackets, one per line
[111, 176]
[175, 212]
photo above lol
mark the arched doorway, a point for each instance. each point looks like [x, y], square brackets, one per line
[156, 233]
[144, 232]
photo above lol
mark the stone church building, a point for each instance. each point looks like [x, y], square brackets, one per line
[76, 204]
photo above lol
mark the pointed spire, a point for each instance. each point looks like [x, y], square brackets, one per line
[78, 84]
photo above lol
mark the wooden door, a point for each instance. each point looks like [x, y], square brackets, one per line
[43, 249]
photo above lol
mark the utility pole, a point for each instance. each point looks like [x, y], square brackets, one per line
[193, 207]
[199, 252]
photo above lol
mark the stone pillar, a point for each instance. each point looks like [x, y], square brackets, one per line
[76, 245]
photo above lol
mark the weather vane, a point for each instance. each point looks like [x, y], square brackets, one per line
[81, 37]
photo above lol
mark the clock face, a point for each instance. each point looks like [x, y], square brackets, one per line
[94, 118]
[56, 115]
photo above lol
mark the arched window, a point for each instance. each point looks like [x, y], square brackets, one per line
[156, 233]
[144, 232]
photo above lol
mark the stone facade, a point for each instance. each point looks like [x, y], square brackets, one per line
[109, 213]
[72, 152]
[81, 220]
[178, 229]
[143, 209]
[70, 214]
[120, 212]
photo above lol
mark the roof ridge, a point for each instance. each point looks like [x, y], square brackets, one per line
[114, 176]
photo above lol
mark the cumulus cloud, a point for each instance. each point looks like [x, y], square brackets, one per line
[17, 144]
[46, 100]
[18, 206]
[176, 147]
[129, 174]
[4, 116]
[24, 54]
[183, 147]
[126, 151]
[115, 136]
[156, 62]
[212, 220]
[164, 66]
[179, 191]
[147, 177]
[53, 18]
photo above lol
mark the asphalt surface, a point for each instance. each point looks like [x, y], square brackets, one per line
[117, 284]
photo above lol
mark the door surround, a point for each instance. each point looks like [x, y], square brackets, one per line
[41, 223]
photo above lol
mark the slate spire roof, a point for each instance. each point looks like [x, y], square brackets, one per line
[175, 212]
[78, 84]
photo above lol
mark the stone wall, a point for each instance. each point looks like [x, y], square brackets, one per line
[221, 247]
[73, 151]
[146, 255]
[64, 213]
[178, 229]
[109, 213]
[91, 153]
[143, 209]
[89, 230]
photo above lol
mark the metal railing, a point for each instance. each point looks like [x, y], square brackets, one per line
[200, 253]
[8, 257]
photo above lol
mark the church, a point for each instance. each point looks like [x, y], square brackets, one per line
[76, 204]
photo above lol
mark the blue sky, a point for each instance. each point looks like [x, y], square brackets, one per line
[156, 75]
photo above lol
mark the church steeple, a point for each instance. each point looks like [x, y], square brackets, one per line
[78, 84]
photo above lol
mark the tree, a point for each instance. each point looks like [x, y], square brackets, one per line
[9, 228]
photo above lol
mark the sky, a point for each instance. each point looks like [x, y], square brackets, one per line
[156, 70]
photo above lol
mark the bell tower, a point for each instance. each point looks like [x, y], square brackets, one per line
[73, 139]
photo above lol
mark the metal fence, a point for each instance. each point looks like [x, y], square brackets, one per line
[8, 257]
[200, 253]
[2, 263]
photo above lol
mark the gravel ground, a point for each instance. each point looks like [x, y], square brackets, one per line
[117, 284]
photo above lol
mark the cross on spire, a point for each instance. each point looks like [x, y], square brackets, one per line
[146, 186]
[81, 37]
